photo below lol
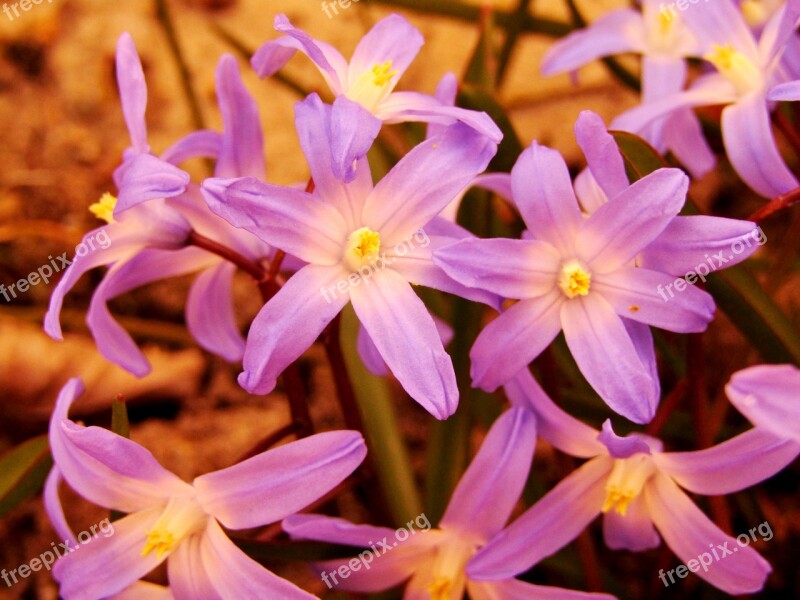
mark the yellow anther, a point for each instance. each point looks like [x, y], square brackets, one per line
[382, 73]
[104, 208]
[626, 481]
[574, 280]
[160, 540]
[440, 588]
[363, 246]
[665, 20]
[735, 67]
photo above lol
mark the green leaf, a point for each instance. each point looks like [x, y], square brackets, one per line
[23, 471]
[381, 429]
[640, 157]
[482, 68]
[119, 418]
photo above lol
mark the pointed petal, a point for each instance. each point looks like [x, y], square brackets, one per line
[270, 58]
[108, 565]
[543, 193]
[323, 528]
[690, 534]
[198, 144]
[403, 330]
[639, 294]
[608, 359]
[147, 177]
[562, 430]
[622, 446]
[132, 92]
[721, 23]
[446, 92]
[738, 463]
[750, 146]
[353, 130]
[400, 107]
[370, 355]
[634, 532]
[614, 33]
[393, 39]
[510, 342]
[642, 339]
[291, 476]
[590, 195]
[425, 181]
[53, 506]
[510, 268]
[242, 151]
[778, 31]
[502, 463]
[626, 224]
[103, 467]
[689, 243]
[187, 577]
[546, 527]
[602, 153]
[785, 92]
[236, 575]
[149, 265]
[514, 589]
[767, 396]
[289, 323]
[210, 313]
[296, 222]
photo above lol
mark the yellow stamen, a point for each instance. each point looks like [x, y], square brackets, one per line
[363, 246]
[626, 481]
[735, 66]
[382, 74]
[665, 20]
[159, 540]
[182, 517]
[574, 280]
[440, 588]
[104, 208]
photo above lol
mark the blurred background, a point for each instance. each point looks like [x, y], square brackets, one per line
[63, 135]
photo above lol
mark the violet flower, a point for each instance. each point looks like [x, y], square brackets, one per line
[636, 486]
[364, 87]
[767, 396]
[362, 244]
[750, 78]
[659, 34]
[578, 275]
[434, 561]
[148, 238]
[170, 520]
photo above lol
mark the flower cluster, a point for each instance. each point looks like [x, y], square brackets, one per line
[593, 255]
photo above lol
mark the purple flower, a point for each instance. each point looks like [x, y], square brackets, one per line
[362, 244]
[168, 519]
[434, 561]
[364, 87]
[579, 275]
[767, 396]
[750, 77]
[637, 488]
[148, 238]
[659, 34]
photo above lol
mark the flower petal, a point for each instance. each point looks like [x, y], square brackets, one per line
[393, 39]
[210, 313]
[514, 589]
[721, 23]
[291, 476]
[622, 446]
[147, 177]
[353, 130]
[608, 359]
[289, 323]
[640, 295]
[103, 467]
[53, 506]
[132, 92]
[614, 33]
[543, 193]
[562, 430]
[242, 151]
[621, 228]
[424, 182]
[187, 577]
[751, 148]
[108, 565]
[502, 463]
[370, 355]
[198, 144]
[767, 396]
[634, 531]
[510, 342]
[296, 222]
[406, 336]
[738, 463]
[144, 589]
[236, 575]
[510, 268]
[547, 526]
[270, 58]
[690, 534]
[689, 243]
[785, 92]
[602, 153]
